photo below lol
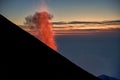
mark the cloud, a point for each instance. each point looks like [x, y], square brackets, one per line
[112, 22]
[59, 23]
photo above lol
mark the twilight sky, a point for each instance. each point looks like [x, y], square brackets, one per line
[63, 10]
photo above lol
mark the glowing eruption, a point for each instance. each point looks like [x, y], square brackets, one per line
[44, 26]
[45, 32]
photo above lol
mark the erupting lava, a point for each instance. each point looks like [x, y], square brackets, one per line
[44, 26]
[45, 32]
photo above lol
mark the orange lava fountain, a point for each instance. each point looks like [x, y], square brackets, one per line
[45, 32]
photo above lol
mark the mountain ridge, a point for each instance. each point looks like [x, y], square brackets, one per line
[29, 58]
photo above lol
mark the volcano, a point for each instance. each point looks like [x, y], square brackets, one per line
[30, 58]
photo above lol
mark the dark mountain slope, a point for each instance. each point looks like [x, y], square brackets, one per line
[29, 58]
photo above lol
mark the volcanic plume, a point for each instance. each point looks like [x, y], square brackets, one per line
[44, 26]
[45, 32]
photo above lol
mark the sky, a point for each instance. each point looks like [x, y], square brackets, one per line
[62, 10]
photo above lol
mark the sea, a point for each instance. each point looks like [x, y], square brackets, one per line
[96, 53]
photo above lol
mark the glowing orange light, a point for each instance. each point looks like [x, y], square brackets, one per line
[45, 32]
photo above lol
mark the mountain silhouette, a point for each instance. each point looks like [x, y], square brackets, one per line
[105, 77]
[29, 58]
[4, 71]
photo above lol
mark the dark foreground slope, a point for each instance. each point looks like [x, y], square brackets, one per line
[30, 59]
[4, 71]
